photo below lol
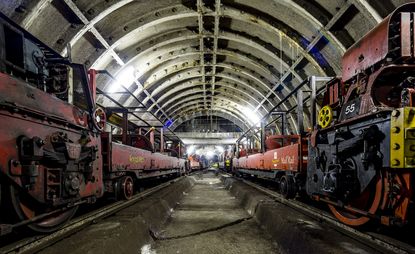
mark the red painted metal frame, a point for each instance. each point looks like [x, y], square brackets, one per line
[377, 45]
[93, 84]
[289, 157]
[128, 158]
[30, 112]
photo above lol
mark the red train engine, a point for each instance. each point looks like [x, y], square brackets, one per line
[53, 157]
[359, 158]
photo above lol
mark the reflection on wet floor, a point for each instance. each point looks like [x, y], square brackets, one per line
[210, 220]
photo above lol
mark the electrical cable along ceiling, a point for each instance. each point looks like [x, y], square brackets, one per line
[183, 59]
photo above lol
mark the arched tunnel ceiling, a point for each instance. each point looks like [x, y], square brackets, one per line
[189, 58]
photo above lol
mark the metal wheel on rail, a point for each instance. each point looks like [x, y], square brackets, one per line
[26, 208]
[288, 189]
[368, 202]
[124, 188]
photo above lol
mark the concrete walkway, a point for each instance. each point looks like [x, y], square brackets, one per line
[210, 220]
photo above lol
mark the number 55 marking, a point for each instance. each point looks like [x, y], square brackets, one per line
[349, 109]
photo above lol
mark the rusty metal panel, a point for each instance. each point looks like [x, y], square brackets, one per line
[254, 161]
[405, 32]
[413, 33]
[129, 158]
[14, 126]
[284, 158]
[164, 162]
[18, 94]
[290, 155]
[366, 52]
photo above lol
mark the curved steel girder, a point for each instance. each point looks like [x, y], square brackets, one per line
[34, 13]
[246, 76]
[228, 11]
[194, 91]
[183, 107]
[197, 108]
[195, 82]
[247, 41]
[254, 20]
[264, 53]
[148, 20]
[234, 80]
[316, 23]
[259, 81]
[186, 88]
[194, 69]
[187, 75]
[221, 52]
[367, 10]
[271, 105]
[192, 106]
[99, 17]
[239, 14]
[193, 76]
[242, 62]
[217, 102]
[229, 54]
[162, 86]
[196, 98]
[218, 112]
[260, 48]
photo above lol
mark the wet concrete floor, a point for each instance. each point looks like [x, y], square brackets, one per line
[205, 213]
[210, 220]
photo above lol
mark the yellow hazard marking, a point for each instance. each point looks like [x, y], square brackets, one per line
[402, 138]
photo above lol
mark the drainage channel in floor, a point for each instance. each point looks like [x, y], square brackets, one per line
[210, 220]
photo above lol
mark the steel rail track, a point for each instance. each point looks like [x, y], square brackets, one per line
[374, 241]
[37, 243]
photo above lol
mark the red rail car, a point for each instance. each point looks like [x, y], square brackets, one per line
[359, 158]
[195, 163]
[284, 158]
[123, 164]
[53, 153]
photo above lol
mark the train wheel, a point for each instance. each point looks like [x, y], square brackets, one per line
[26, 209]
[287, 186]
[368, 202]
[125, 188]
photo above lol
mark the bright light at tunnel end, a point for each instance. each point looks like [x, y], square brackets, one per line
[210, 154]
[220, 149]
[190, 149]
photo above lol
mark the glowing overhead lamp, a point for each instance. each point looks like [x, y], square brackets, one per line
[252, 116]
[124, 77]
